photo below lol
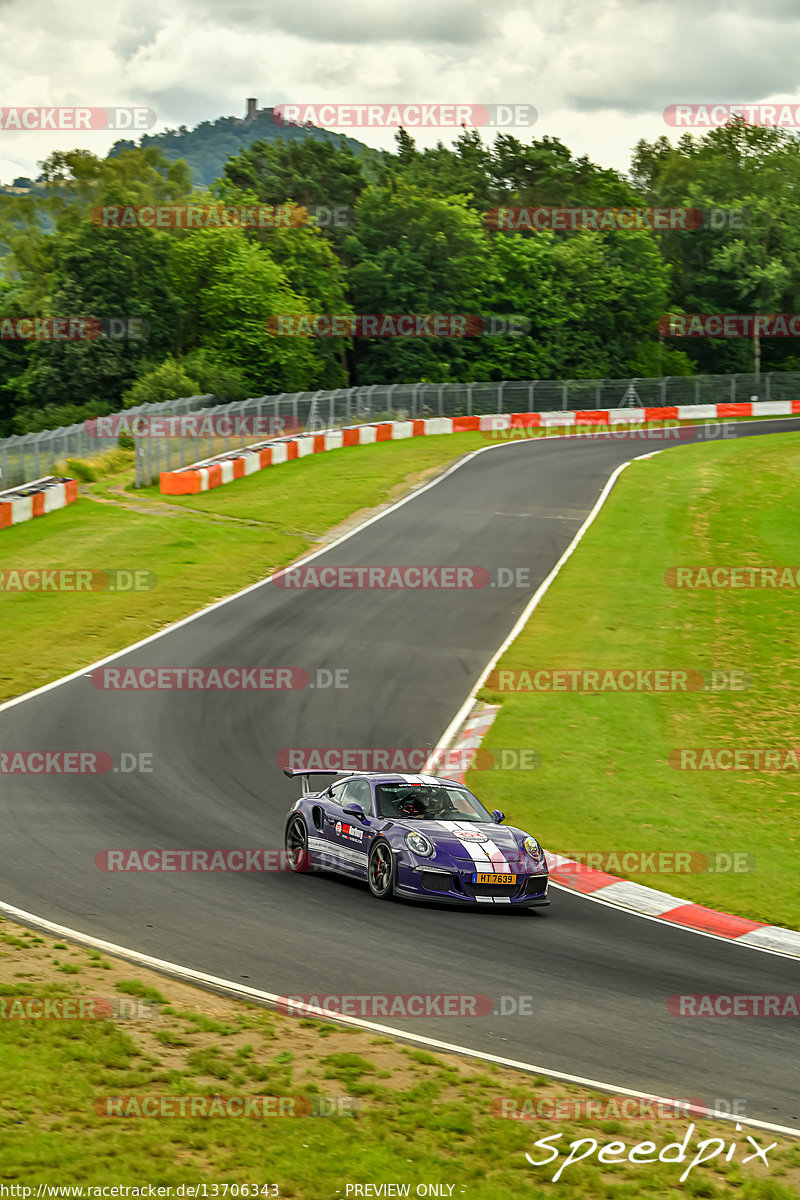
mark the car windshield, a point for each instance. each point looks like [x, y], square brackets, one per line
[428, 802]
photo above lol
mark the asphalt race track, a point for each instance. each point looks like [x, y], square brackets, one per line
[600, 978]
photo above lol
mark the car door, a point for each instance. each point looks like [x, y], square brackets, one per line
[348, 837]
[330, 850]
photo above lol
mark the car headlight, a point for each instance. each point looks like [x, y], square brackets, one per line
[419, 844]
[534, 849]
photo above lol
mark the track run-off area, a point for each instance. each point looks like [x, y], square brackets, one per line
[600, 979]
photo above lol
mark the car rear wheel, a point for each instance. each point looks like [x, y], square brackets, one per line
[297, 845]
[381, 871]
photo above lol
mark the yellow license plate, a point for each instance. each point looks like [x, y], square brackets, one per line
[494, 878]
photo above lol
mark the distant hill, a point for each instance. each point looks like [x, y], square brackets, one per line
[207, 147]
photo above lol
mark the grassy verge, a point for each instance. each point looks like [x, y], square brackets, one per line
[605, 783]
[200, 548]
[405, 1116]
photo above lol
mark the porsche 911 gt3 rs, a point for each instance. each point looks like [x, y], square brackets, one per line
[415, 836]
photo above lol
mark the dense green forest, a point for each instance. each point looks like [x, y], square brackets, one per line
[416, 240]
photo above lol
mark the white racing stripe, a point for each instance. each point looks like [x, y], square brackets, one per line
[486, 856]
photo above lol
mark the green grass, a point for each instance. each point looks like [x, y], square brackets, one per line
[605, 783]
[238, 534]
[55, 1073]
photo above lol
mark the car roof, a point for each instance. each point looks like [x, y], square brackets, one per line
[397, 777]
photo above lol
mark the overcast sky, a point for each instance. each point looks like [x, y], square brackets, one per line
[599, 74]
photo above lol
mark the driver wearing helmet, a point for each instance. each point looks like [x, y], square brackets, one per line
[425, 803]
[411, 805]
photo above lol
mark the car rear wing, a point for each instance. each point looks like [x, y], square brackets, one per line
[304, 774]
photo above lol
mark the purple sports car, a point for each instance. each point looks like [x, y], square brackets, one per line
[415, 836]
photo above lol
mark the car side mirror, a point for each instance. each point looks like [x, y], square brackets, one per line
[355, 810]
[498, 817]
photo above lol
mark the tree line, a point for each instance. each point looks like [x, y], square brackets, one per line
[391, 232]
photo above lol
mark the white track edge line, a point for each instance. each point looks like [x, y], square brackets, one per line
[527, 612]
[272, 1000]
[201, 612]
[462, 714]
[663, 920]
[186, 972]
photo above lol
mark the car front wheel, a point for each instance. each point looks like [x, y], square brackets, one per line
[381, 871]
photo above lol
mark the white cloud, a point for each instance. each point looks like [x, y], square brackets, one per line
[599, 75]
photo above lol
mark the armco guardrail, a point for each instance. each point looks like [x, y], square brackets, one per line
[36, 499]
[224, 468]
[312, 412]
[30, 455]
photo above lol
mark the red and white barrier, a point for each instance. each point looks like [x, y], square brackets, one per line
[36, 499]
[568, 873]
[225, 467]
